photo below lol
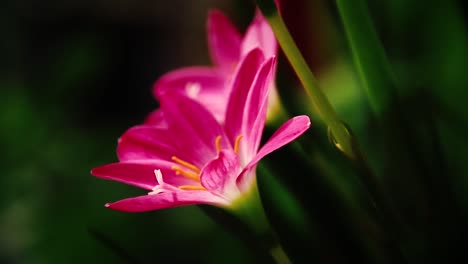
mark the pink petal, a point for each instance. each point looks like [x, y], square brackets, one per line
[208, 78]
[220, 174]
[246, 178]
[289, 131]
[257, 104]
[203, 84]
[259, 35]
[224, 40]
[156, 119]
[241, 86]
[140, 173]
[146, 142]
[166, 200]
[193, 129]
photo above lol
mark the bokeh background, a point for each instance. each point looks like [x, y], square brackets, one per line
[76, 74]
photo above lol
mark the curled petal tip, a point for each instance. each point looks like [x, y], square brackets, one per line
[301, 119]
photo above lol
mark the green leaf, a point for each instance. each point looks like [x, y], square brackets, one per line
[368, 55]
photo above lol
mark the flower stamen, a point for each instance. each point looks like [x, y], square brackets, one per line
[218, 144]
[186, 174]
[236, 144]
[186, 164]
[191, 187]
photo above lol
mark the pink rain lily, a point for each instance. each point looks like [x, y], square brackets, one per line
[210, 85]
[190, 158]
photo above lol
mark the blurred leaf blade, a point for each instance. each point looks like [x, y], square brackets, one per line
[368, 54]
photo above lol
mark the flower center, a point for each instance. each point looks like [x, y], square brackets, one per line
[191, 171]
[188, 170]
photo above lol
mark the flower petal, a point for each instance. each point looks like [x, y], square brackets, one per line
[241, 86]
[257, 105]
[146, 142]
[259, 35]
[289, 131]
[204, 84]
[140, 173]
[207, 78]
[220, 174]
[156, 119]
[246, 178]
[224, 40]
[166, 200]
[194, 130]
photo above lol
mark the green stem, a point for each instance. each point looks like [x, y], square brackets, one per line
[379, 82]
[340, 134]
[249, 209]
[279, 255]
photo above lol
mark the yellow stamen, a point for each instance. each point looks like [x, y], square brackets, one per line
[186, 174]
[191, 187]
[236, 144]
[218, 143]
[186, 164]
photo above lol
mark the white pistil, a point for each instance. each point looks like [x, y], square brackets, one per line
[159, 187]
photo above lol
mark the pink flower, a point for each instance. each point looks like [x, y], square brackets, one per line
[189, 158]
[210, 85]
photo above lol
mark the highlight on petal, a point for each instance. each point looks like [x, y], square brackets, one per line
[202, 84]
[166, 200]
[223, 39]
[186, 80]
